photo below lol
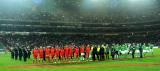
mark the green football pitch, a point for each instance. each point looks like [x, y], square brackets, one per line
[151, 62]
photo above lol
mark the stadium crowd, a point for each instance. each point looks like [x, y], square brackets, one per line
[87, 18]
[45, 48]
[75, 15]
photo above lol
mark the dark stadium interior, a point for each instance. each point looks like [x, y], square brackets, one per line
[80, 20]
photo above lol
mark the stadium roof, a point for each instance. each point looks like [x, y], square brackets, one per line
[87, 11]
[80, 16]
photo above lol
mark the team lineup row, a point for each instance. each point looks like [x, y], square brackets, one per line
[73, 53]
[63, 54]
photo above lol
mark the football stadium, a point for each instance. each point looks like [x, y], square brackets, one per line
[79, 35]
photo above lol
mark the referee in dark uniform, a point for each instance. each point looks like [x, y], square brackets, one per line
[12, 53]
[94, 53]
[25, 54]
[16, 53]
[101, 53]
[20, 53]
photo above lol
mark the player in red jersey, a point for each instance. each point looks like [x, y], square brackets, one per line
[82, 52]
[62, 54]
[57, 53]
[76, 53]
[52, 54]
[70, 54]
[88, 49]
[66, 50]
[35, 53]
[48, 52]
[41, 54]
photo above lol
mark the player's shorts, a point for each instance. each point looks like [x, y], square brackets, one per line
[70, 55]
[77, 55]
[62, 55]
[66, 55]
[52, 55]
[57, 55]
[35, 56]
[47, 56]
[41, 56]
